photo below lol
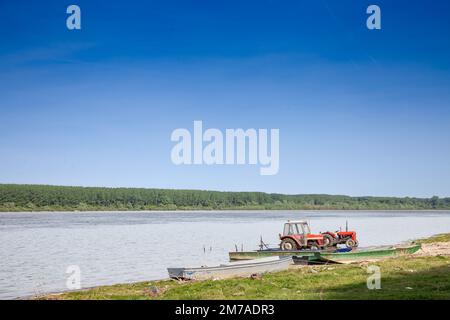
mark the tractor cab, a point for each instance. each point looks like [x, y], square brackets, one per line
[297, 235]
[296, 227]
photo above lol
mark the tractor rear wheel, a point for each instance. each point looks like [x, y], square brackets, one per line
[288, 244]
[328, 240]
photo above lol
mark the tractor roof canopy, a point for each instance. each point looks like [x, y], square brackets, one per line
[296, 227]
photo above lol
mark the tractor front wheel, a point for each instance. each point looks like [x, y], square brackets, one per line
[288, 244]
[314, 247]
[350, 243]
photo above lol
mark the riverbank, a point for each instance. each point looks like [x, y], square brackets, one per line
[15, 198]
[424, 275]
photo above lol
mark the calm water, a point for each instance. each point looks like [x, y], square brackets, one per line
[115, 247]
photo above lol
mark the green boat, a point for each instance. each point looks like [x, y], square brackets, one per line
[257, 254]
[366, 254]
[328, 256]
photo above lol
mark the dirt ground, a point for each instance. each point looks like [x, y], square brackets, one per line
[435, 249]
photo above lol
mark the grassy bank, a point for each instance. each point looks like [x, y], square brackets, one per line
[14, 198]
[445, 237]
[407, 277]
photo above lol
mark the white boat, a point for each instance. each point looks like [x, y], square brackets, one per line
[232, 269]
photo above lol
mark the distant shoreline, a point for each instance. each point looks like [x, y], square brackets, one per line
[38, 198]
[234, 211]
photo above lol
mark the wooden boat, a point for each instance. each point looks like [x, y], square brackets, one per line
[232, 269]
[366, 254]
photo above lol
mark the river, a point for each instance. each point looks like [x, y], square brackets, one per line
[36, 249]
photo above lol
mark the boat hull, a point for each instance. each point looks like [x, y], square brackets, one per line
[361, 255]
[249, 255]
[305, 257]
[231, 270]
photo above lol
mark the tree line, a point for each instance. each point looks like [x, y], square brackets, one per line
[15, 197]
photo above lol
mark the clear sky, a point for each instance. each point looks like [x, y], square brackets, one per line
[360, 112]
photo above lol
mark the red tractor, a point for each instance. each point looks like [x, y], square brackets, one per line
[297, 235]
[340, 237]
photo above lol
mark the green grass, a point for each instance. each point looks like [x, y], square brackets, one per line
[445, 237]
[406, 277]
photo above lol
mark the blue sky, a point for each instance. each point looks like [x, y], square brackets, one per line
[360, 112]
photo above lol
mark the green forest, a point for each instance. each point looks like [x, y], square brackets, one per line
[15, 197]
